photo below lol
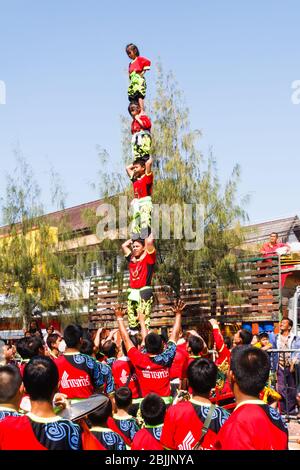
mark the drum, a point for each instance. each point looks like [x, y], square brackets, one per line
[78, 409]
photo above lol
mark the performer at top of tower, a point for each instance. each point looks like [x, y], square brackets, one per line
[137, 67]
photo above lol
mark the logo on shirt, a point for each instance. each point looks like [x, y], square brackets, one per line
[74, 383]
[187, 442]
[160, 374]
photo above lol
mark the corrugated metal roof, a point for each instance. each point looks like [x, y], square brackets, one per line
[284, 227]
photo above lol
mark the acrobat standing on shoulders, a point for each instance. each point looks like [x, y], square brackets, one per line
[141, 257]
[140, 173]
[137, 68]
[141, 132]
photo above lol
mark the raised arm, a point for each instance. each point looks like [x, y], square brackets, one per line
[177, 309]
[130, 170]
[149, 244]
[149, 165]
[123, 332]
[125, 247]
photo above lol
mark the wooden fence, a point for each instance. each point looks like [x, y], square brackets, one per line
[257, 298]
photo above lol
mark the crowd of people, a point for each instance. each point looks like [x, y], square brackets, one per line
[159, 393]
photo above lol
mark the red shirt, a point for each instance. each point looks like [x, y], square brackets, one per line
[140, 64]
[121, 370]
[253, 425]
[142, 186]
[24, 433]
[176, 371]
[267, 249]
[141, 271]
[147, 439]
[137, 127]
[153, 377]
[183, 425]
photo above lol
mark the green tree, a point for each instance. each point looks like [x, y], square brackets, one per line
[31, 264]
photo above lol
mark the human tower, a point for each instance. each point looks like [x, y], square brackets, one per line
[139, 250]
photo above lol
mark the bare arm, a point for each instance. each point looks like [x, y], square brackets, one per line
[125, 247]
[123, 332]
[177, 309]
[130, 170]
[149, 243]
[149, 165]
[97, 337]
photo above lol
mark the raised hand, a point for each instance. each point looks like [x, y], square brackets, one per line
[178, 307]
[119, 311]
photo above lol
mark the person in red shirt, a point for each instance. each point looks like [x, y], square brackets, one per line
[142, 178]
[153, 367]
[41, 428]
[253, 425]
[141, 259]
[81, 375]
[153, 410]
[137, 68]
[124, 373]
[184, 421]
[269, 248]
[177, 368]
[140, 130]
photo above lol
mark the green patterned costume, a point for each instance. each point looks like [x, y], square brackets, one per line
[141, 144]
[139, 299]
[137, 86]
[141, 218]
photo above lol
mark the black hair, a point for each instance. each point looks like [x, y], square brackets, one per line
[274, 233]
[10, 382]
[196, 344]
[140, 161]
[153, 409]
[100, 416]
[51, 339]
[133, 103]
[41, 378]
[263, 335]
[29, 346]
[228, 341]
[87, 347]
[290, 321]
[134, 339]
[251, 367]
[72, 335]
[123, 397]
[109, 348]
[153, 343]
[134, 47]
[246, 336]
[202, 376]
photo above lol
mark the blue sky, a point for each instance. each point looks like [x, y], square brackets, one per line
[64, 67]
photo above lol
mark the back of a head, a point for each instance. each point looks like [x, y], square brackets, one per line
[202, 376]
[10, 382]
[153, 409]
[246, 336]
[100, 416]
[123, 398]
[72, 335]
[30, 346]
[196, 344]
[87, 347]
[135, 341]
[251, 367]
[41, 378]
[153, 343]
[109, 348]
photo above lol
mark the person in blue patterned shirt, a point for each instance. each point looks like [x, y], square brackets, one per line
[108, 439]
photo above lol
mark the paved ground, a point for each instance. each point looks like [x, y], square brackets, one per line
[294, 435]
